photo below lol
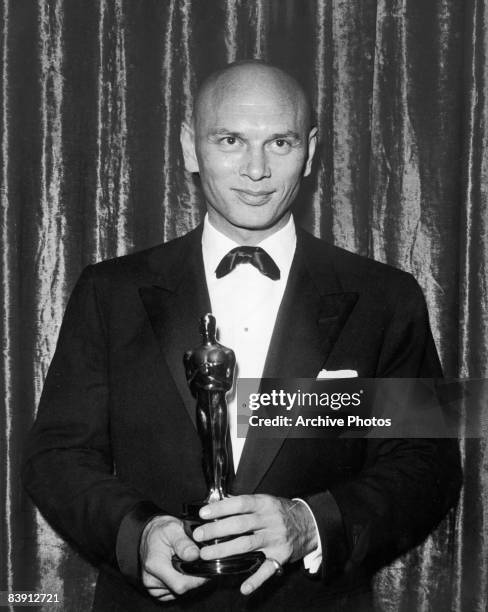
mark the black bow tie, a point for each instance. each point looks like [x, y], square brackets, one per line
[248, 254]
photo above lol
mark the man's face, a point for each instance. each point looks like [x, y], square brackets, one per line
[251, 150]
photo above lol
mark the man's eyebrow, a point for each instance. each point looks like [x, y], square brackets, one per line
[222, 130]
[286, 134]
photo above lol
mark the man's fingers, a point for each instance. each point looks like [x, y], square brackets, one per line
[266, 571]
[253, 541]
[161, 594]
[232, 525]
[173, 581]
[152, 582]
[180, 583]
[156, 588]
[166, 538]
[239, 504]
[165, 597]
[164, 574]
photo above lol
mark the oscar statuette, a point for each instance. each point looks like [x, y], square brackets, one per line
[210, 373]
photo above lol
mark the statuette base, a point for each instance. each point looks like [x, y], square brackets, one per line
[228, 566]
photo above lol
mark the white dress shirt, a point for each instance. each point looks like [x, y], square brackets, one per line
[245, 304]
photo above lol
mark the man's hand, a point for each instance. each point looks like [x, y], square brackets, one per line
[283, 529]
[163, 537]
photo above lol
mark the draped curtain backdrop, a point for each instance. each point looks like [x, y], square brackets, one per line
[92, 96]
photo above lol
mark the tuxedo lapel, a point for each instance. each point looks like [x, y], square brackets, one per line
[174, 305]
[312, 314]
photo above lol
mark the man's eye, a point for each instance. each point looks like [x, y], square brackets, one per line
[281, 144]
[229, 140]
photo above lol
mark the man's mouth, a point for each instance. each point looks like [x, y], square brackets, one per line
[254, 198]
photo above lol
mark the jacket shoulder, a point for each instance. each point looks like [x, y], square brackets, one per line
[147, 265]
[358, 273]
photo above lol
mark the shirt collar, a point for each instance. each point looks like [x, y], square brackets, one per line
[280, 246]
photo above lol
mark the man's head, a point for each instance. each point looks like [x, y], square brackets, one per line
[252, 141]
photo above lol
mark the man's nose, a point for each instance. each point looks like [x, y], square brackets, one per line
[255, 165]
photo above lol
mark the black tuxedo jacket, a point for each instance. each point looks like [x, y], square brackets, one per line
[115, 440]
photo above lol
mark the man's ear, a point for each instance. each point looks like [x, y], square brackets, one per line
[187, 140]
[312, 145]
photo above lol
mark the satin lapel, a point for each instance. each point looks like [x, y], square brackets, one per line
[174, 307]
[311, 317]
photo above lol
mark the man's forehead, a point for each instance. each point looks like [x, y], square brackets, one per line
[256, 108]
[259, 110]
[252, 91]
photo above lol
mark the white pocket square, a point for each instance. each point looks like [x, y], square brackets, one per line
[337, 374]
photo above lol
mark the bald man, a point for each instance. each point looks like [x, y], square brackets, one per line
[115, 453]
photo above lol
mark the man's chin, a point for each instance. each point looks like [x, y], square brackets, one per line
[260, 225]
[258, 220]
[243, 222]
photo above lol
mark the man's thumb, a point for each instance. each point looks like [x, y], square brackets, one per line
[185, 548]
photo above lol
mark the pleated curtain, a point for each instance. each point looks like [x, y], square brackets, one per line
[92, 96]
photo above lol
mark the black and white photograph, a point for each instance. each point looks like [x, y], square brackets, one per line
[244, 305]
